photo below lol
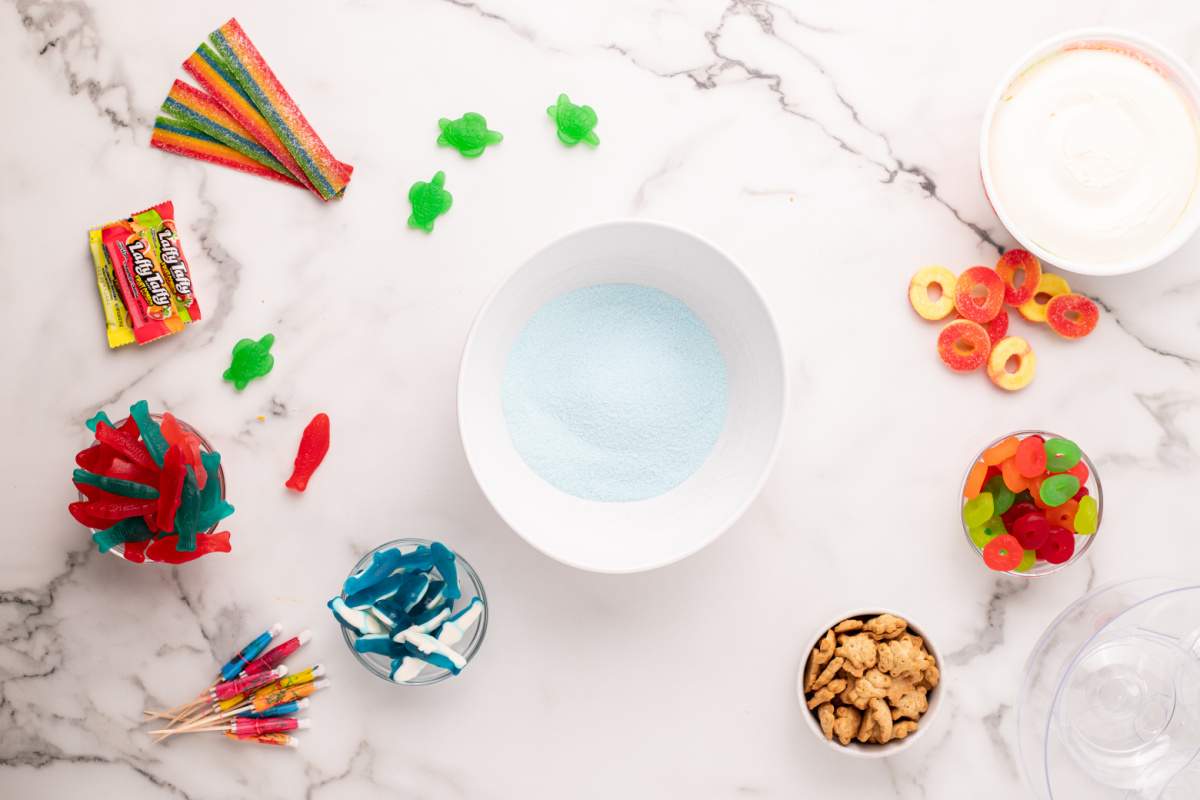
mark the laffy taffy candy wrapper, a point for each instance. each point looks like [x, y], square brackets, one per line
[145, 285]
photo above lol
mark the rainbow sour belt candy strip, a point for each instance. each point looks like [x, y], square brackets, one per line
[175, 137]
[326, 174]
[213, 75]
[197, 110]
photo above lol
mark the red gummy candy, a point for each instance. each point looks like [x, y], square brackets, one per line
[84, 516]
[109, 511]
[126, 444]
[125, 470]
[314, 444]
[1031, 457]
[1016, 512]
[1003, 553]
[1032, 530]
[135, 551]
[1081, 493]
[170, 488]
[164, 549]
[188, 442]
[1058, 547]
[96, 494]
[96, 458]
[1080, 471]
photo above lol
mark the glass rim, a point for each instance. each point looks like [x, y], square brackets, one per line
[118, 550]
[1093, 474]
[431, 674]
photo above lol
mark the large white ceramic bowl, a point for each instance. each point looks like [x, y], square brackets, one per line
[1169, 65]
[642, 535]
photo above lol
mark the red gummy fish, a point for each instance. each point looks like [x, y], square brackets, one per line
[314, 444]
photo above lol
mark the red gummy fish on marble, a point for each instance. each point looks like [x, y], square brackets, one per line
[314, 444]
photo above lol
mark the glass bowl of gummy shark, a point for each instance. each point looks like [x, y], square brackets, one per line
[412, 612]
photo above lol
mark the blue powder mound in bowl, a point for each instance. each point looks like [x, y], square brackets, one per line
[615, 392]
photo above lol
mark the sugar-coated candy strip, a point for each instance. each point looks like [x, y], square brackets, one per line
[116, 486]
[127, 445]
[116, 316]
[171, 136]
[152, 436]
[253, 650]
[214, 76]
[170, 487]
[127, 530]
[314, 444]
[328, 175]
[200, 111]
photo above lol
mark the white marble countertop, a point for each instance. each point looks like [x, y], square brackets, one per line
[830, 151]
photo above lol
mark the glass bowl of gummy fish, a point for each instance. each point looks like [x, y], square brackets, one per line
[1031, 503]
[412, 612]
[151, 489]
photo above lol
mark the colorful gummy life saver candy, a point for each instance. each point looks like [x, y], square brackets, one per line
[401, 606]
[979, 336]
[142, 493]
[314, 444]
[1030, 495]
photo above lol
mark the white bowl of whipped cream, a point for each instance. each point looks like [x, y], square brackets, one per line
[1090, 152]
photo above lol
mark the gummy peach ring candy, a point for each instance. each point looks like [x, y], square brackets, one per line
[1072, 316]
[963, 345]
[979, 294]
[1026, 263]
[931, 292]
[1048, 286]
[1011, 347]
[1003, 553]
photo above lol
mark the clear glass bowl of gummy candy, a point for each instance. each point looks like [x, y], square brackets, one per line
[412, 603]
[1031, 503]
[206, 448]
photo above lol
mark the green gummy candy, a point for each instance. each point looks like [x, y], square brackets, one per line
[133, 529]
[978, 509]
[429, 201]
[1086, 516]
[96, 419]
[468, 134]
[1001, 494]
[187, 518]
[1061, 455]
[984, 533]
[212, 508]
[250, 360]
[152, 436]
[574, 123]
[1058, 489]
[115, 485]
[1028, 559]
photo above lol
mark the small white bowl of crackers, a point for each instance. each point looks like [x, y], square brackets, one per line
[869, 683]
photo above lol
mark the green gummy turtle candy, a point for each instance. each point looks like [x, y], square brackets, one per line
[574, 123]
[250, 360]
[468, 134]
[429, 201]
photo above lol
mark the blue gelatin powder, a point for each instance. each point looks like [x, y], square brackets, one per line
[615, 392]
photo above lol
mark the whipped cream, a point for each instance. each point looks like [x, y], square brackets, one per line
[1094, 155]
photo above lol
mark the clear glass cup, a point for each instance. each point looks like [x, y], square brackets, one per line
[205, 446]
[1110, 704]
[471, 586]
[1082, 543]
